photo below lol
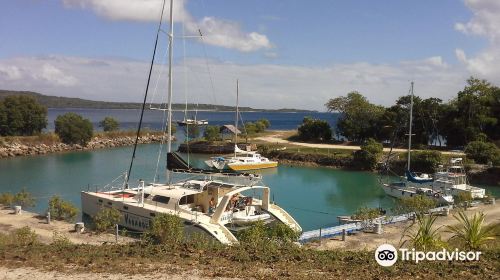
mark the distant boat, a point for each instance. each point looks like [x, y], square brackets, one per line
[187, 122]
[242, 160]
[415, 184]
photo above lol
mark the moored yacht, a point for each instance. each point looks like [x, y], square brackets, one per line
[454, 180]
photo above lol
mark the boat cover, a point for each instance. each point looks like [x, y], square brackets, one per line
[412, 177]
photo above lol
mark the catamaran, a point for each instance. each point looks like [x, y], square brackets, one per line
[214, 203]
[415, 184]
[241, 160]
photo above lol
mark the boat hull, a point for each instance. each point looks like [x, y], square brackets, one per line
[252, 166]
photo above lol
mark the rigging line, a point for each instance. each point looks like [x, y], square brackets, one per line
[162, 143]
[185, 87]
[162, 69]
[208, 68]
[145, 96]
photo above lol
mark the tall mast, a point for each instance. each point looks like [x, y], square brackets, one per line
[410, 124]
[236, 119]
[170, 86]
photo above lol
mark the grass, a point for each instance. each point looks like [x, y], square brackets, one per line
[214, 260]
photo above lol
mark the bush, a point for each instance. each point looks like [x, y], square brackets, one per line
[372, 146]
[314, 130]
[106, 219]
[22, 115]
[260, 234]
[250, 128]
[425, 161]
[109, 124]
[73, 129]
[483, 152]
[24, 198]
[462, 199]
[364, 213]
[167, 229]
[24, 236]
[6, 199]
[418, 204]
[212, 133]
[364, 160]
[62, 210]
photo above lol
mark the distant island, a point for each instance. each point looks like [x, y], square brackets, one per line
[70, 102]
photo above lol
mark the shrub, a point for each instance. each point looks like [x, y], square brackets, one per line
[62, 210]
[365, 213]
[364, 160]
[483, 152]
[418, 204]
[425, 237]
[425, 161]
[250, 128]
[24, 198]
[73, 129]
[24, 236]
[462, 199]
[6, 199]
[314, 130]
[212, 133]
[60, 240]
[260, 234]
[265, 122]
[167, 229]
[109, 124]
[106, 219]
[22, 115]
[372, 146]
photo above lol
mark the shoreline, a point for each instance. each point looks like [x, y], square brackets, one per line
[18, 147]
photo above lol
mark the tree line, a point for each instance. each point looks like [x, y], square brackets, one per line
[473, 115]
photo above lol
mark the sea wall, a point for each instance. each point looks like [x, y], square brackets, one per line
[18, 148]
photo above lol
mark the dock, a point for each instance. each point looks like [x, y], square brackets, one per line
[357, 226]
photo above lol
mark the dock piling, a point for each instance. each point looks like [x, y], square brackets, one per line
[343, 234]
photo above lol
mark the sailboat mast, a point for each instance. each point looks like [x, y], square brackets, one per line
[237, 114]
[170, 86]
[410, 124]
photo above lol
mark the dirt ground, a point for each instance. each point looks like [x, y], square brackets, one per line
[278, 137]
[9, 221]
[32, 273]
[392, 233]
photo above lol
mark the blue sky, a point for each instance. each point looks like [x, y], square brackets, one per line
[286, 53]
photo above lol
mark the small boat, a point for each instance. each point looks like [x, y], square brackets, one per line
[454, 180]
[187, 122]
[241, 160]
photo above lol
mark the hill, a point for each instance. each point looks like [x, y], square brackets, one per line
[70, 102]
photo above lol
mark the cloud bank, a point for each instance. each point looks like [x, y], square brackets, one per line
[261, 85]
[217, 32]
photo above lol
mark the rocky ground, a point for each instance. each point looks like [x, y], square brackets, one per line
[18, 148]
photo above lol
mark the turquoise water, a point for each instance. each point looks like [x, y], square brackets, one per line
[314, 196]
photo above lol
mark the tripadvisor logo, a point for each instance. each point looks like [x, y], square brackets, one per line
[387, 255]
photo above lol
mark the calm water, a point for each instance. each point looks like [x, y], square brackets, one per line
[128, 118]
[314, 196]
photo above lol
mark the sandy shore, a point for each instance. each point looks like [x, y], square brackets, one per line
[9, 222]
[392, 233]
[278, 138]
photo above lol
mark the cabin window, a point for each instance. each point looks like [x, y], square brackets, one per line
[109, 203]
[125, 207]
[152, 214]
[188, 199]
[100, 200]
[161, 199]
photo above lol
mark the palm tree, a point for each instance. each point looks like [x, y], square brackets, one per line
[425, 237]
[471, 231]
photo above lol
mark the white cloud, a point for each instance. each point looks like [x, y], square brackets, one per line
[261, 85]
[485, 22]
[217, 32]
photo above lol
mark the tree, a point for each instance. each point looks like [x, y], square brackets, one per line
[109, 124]
[358, 118]
[471, 230]
[482, 152]
[212, 133]
[425, 161]
[24, 198]
[366, 158]
[22, 115]
[314, 130]
[62, 210]
[73, 129]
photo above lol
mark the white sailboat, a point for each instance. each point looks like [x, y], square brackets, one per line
[415, 184]
[241, 160]
[216, 204]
